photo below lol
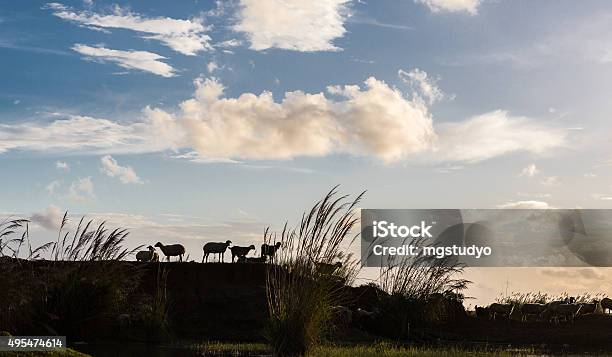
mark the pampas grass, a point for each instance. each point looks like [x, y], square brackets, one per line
[300, 294]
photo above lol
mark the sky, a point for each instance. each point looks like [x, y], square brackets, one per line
[200, 121]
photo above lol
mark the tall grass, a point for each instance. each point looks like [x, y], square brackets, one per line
[63, 298]
[300, 290]
[422, 291]
[520, 298]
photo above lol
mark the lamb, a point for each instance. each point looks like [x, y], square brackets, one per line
[531, 310]
[606, 304]
[215, 248]
[504, 310]
[268, 250]
[172, 250]
[240, 251]
[147, 255]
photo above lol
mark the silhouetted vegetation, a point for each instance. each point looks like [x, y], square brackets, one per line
[300, 294]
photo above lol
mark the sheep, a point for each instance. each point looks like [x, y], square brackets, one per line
[606, 304]
[269, 250]
[481, 311]
[240, 251]
[566, 311]
[215, 248]
[496, 309]
[531, 310]
[147, 255]
[593, 308]
[172, 250]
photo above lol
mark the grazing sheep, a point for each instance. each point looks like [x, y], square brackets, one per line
[326, 268]
[528, 310]
[240, 251]
[591, 308]
[172, 250]
[215, 248]
[147, 255]
[268, 250]
[606, 304]
[566, 311]
[497, 309]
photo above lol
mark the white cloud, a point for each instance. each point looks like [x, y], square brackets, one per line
[229, 43]
[422, 84]
[493, 134]
[88, 135]
[374, 120]
[61, 165]
[125, 173]
[53, 186]
[50, 218]
[299, 25]
[525, 205]
[140, 60]
[530, 171]
[185, 36]
[81, 190]
[212, 66]
[438, 6]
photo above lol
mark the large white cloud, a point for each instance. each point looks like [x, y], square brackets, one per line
[300, 25]
[374, 120]
[185, 36]
[437, 6]
[140, 60]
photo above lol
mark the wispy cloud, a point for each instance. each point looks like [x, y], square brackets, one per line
[300, 25]
[525, 205]
[61, 165]
[422, 84]
[89, 135]
[530, 171]
[140, 60]
[185, 36]
[50, 218]
[465, 6]
[126, 174]
[53, 186]
[81, 190]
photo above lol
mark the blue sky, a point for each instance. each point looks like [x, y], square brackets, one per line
[199, 120]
